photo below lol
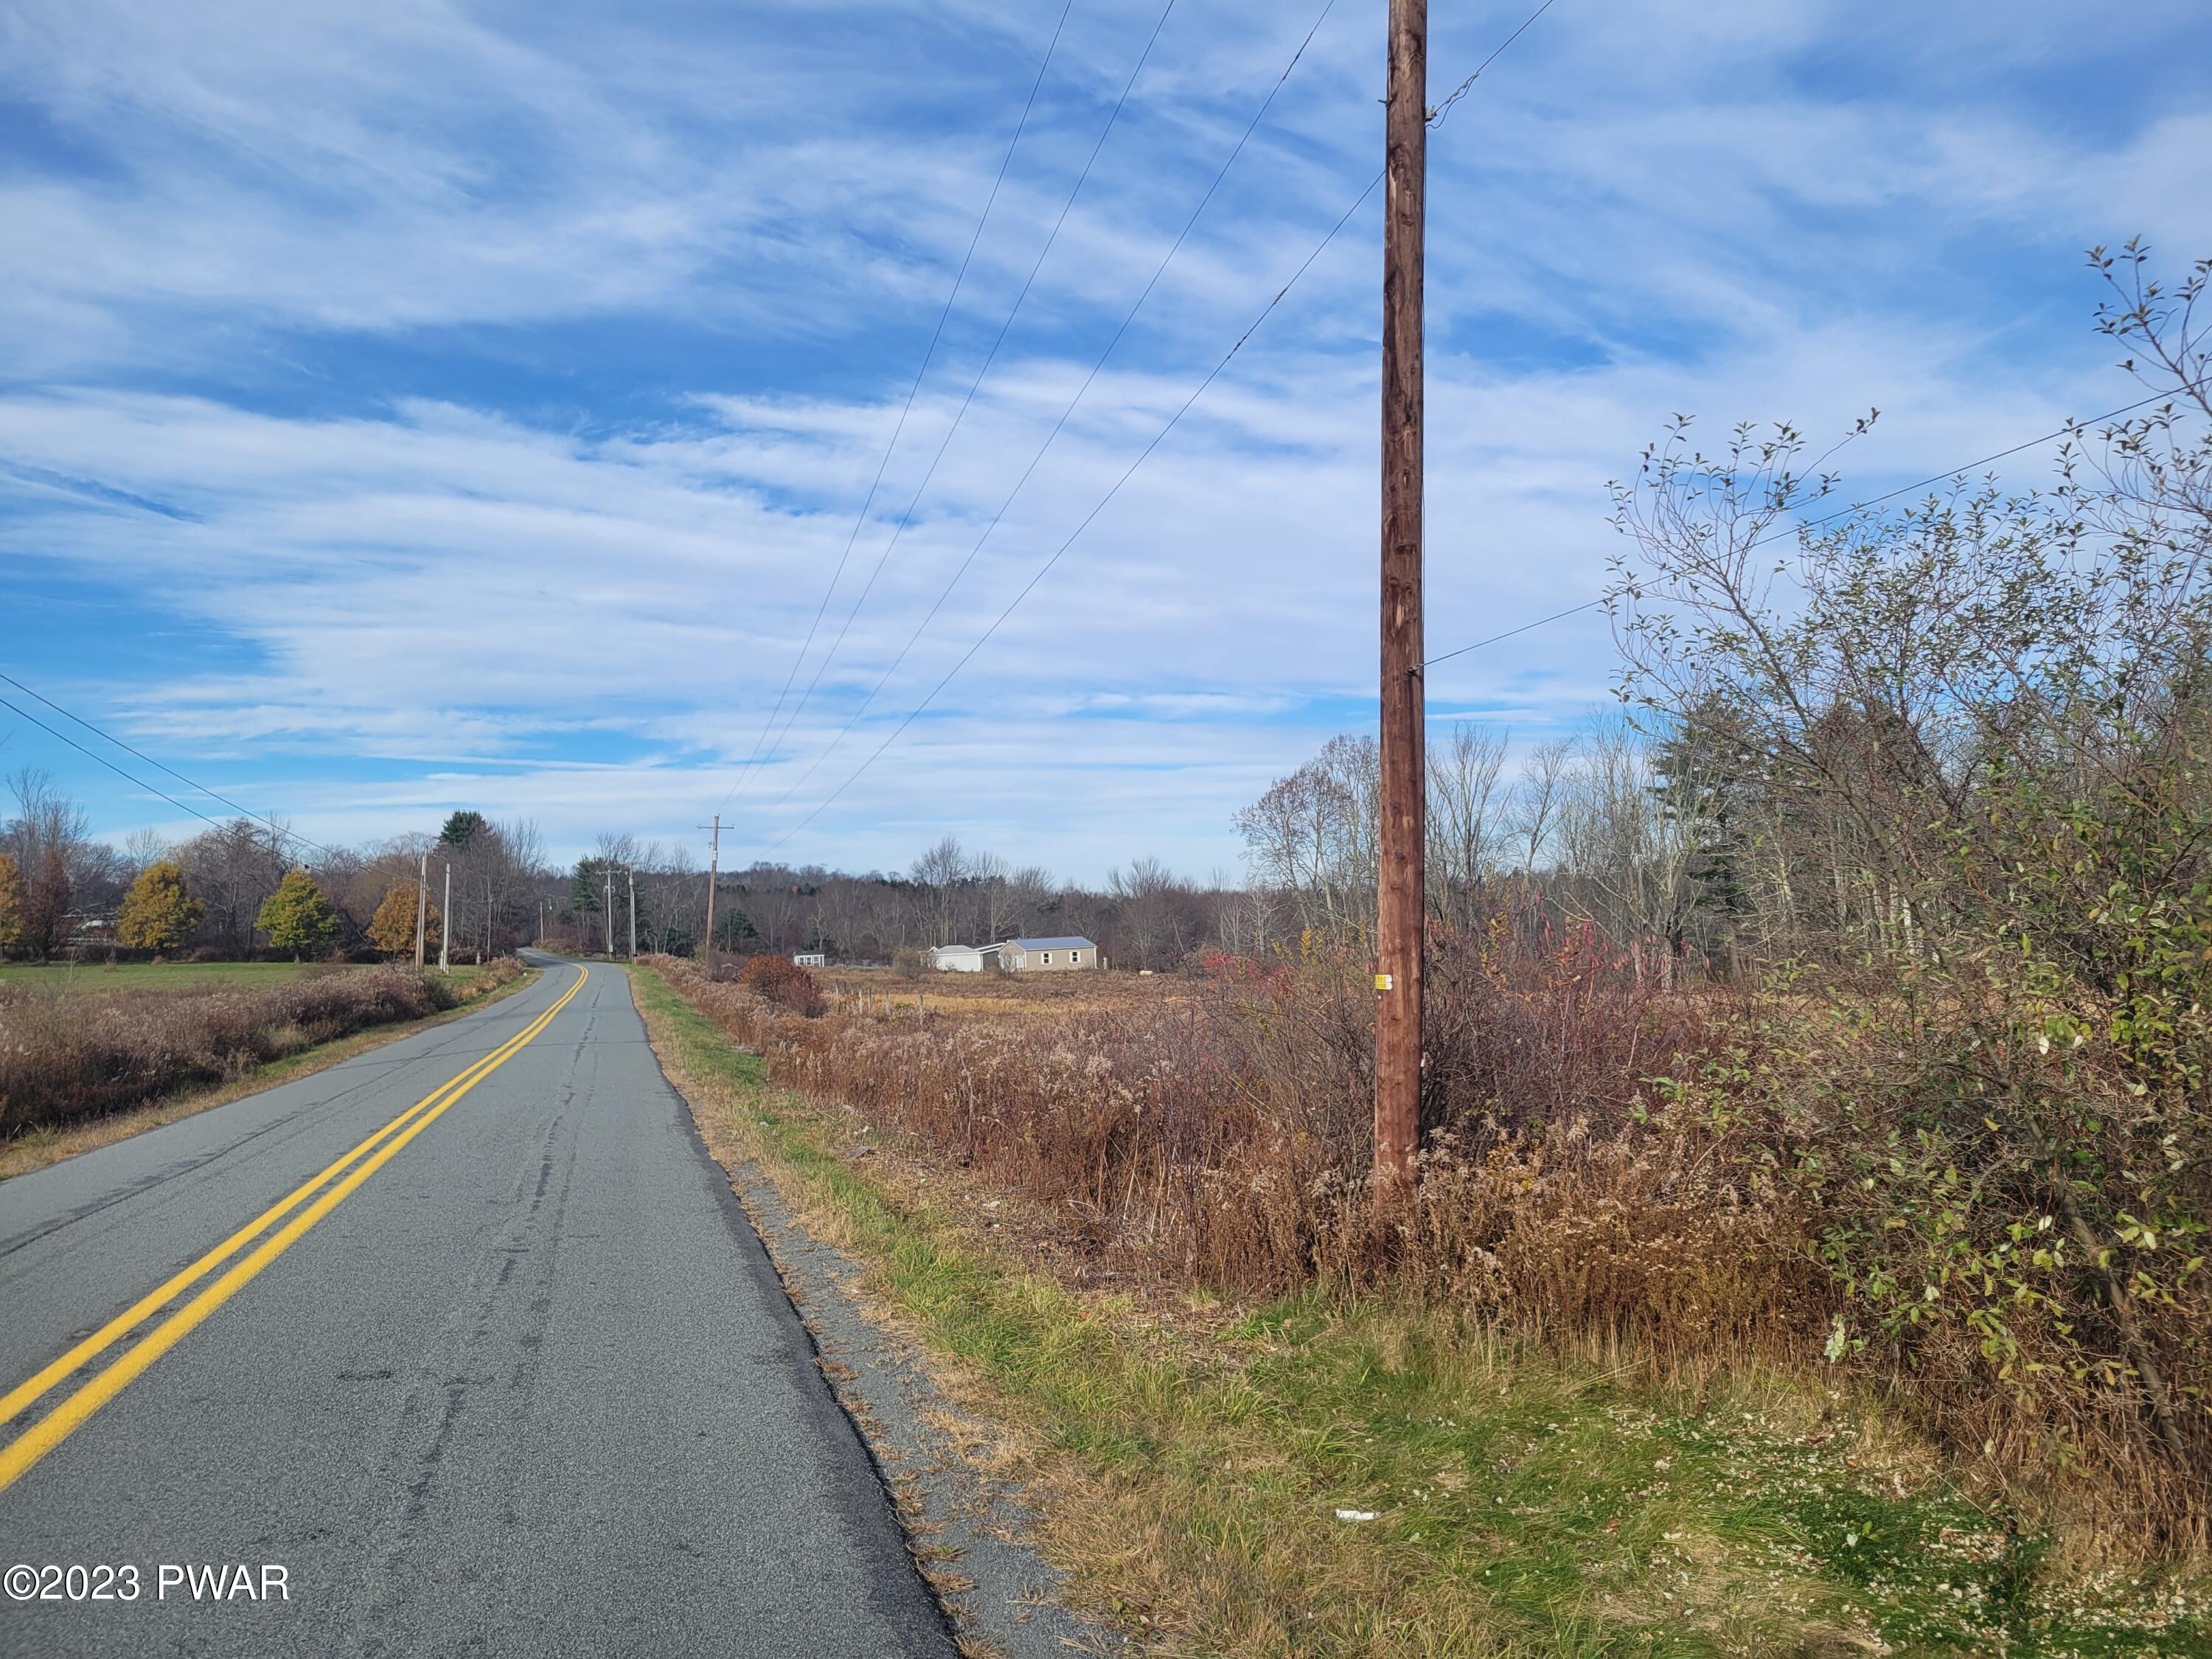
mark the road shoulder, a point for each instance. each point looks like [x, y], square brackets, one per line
[965, 1523]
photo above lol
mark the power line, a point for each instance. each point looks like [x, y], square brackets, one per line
[1060, 425]
[1158, 439]
[140, 754]
[921, 374]
[1556, 616]
[64, 736]
[1436, 115]
[244, 811]
[1803, 524]
[1173, 421]
[961, 415]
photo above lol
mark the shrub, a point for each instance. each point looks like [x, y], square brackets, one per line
[780, 980]
[1946, 769]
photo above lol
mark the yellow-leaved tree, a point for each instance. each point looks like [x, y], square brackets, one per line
[158, 914]
[297, 917]
[391, 929]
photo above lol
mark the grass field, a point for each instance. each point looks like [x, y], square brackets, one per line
[1314, 1475]
[71, 976]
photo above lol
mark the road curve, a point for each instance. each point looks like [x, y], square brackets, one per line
[530, 1386]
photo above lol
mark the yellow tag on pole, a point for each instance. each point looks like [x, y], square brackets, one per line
[1382, 981]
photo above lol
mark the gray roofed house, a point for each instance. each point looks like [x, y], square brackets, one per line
[1035, 956]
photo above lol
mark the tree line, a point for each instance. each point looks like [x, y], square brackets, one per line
[250, 887]
[1143, 916]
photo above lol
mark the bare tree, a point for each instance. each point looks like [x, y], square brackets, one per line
[1630, 852]
[1313, 836]
[46, 836]
[144, 846]
[1466, 827]
[938, 877]
[231, 869]
[1534, 813]
[1152, 913]
[1971, 731]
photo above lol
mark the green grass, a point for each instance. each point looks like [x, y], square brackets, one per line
[1523, 1503]
[75, 977]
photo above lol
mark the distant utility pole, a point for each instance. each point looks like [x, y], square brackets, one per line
[714, 876]
[446, 923]
[422, 905]
[633, 912]
[1400, 919]
[610, 928]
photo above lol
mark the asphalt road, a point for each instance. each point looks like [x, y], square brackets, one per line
[530, 1386]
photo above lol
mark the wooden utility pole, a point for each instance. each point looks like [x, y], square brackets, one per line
[422, 905]
[713, 877]
[633, 913]
[445, 926]
[610, 928]
[1400, 894]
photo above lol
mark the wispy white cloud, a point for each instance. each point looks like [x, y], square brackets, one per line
[508, 388]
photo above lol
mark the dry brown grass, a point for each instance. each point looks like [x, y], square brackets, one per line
[994, 995]
[1599, 1176]
[97, 1068]
[1211, 1131]
[1628, 1474]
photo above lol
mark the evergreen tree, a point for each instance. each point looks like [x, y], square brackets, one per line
[461, 829]
[588, 898]
[586, 888]
[158, 914]
[1713, 781]
[296, 916]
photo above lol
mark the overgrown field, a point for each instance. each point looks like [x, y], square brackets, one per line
[1611, 1169]
[69, 1054]
[1385, 1469]
[885, 992]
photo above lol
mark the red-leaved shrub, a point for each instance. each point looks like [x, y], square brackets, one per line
[782, 982]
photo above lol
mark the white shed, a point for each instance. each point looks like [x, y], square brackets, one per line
[962, 958]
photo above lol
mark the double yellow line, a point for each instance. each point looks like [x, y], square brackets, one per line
[354, 1167]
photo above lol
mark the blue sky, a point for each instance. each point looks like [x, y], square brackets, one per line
[417, 405]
